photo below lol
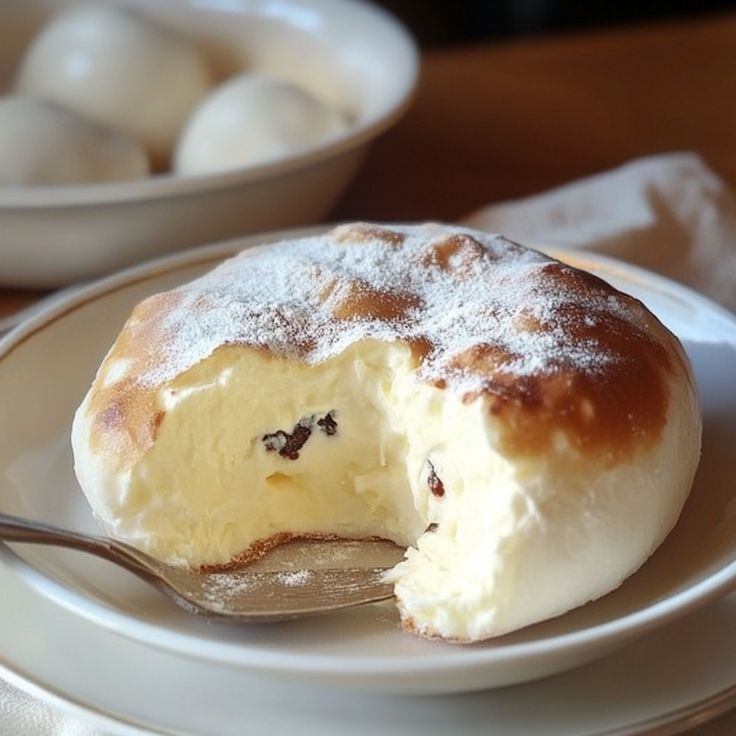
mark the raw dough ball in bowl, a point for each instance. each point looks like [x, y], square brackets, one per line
[120, 69]
[44, 143]
[250, 119]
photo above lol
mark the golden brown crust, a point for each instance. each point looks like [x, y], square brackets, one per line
[357, 299]
[606, 415]
[409, 625]
[125, 415]
[261, 547]
[356, 233]
[609, 411]
[258, 549]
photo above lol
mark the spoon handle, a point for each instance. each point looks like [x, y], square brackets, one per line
[15, 529]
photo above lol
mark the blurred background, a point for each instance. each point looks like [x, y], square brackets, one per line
[443, 22]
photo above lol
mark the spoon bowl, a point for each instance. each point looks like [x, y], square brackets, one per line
[306, 580]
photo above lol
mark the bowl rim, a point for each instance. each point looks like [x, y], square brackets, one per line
[170, 185]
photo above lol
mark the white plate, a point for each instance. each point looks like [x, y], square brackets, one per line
[673, 679]
[46, 366]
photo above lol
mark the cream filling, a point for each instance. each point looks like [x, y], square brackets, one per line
[214, 482]
[515, 541]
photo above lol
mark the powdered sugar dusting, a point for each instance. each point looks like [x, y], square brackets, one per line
[229, 592]
[294, 578]
[449, 289]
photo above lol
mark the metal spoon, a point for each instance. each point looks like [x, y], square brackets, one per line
[252, 594]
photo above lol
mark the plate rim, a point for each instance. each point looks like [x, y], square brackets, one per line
[697, 712]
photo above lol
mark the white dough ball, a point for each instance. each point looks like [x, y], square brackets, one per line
[120, 69]
[253, 118]
[43, 143]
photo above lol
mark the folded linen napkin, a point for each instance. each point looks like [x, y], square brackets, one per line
[667, 213]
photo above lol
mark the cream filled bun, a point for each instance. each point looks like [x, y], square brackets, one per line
[528, 432]
[43, 143]
[115, 66]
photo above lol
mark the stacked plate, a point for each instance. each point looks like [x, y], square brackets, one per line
[655, 656]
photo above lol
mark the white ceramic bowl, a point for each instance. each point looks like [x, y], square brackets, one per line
[352, 54]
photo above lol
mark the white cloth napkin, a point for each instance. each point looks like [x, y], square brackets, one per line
[668, 213]
[23, 715]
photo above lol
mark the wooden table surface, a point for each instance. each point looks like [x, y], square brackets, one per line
[498, 121]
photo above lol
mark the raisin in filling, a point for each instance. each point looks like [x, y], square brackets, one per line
[435, 484]
[328, 424]
[288, 444]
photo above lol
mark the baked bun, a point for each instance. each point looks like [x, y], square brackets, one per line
[526, 430]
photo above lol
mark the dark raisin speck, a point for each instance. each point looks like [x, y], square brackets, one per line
[435, 484]
[288, 445]
[432, 527]
[328, 424]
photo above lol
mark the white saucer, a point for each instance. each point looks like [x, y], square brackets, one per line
[47, 364]
[673, 679]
